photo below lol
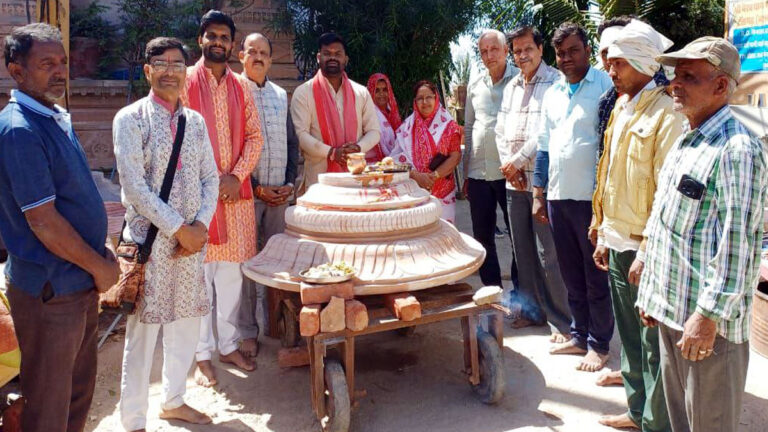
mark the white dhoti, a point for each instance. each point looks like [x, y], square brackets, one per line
[224, 282]
[179, 339]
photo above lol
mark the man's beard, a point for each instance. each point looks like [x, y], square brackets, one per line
[52, 95]
[216, 57]
[332, 70]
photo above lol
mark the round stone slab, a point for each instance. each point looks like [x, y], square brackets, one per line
[388, 264]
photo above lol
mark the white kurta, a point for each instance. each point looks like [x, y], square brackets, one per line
[143, 135]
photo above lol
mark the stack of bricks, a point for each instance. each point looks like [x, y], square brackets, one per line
[341, 310]
[332, 307]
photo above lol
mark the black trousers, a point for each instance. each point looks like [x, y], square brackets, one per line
[484, 196]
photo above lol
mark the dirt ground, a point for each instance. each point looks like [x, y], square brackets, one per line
[412, 384]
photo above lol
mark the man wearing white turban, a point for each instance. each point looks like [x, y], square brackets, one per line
[609, 31]
[641, 130]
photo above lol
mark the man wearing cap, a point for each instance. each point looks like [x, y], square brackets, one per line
[640, 132]
[702, 247]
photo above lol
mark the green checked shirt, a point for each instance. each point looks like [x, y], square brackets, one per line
[703, 255]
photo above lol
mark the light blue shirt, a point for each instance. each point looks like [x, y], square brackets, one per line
[568, 131]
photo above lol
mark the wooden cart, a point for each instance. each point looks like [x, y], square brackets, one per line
[332, 380]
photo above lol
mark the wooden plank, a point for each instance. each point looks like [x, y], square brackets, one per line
[312, 398]
[319, 378]
[389, 323]
[465, 343]
[349, 366]
[473, 351]
[496, 327]
[274, 296]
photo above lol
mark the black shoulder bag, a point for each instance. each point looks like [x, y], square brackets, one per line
[132, 257]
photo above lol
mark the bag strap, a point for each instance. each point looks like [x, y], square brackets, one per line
[165, 190]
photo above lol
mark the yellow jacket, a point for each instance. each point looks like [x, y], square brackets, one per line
[624, 200]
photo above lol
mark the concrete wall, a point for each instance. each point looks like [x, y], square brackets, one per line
[750, 89]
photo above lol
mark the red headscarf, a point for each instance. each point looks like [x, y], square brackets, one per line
[393, 115]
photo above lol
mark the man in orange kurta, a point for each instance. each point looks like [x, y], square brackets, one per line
[222, 98]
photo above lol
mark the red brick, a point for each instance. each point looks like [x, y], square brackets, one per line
[309, 320]
[322, 293]
[356, 315]
[293, 357]
[332, 316]
[403, 306]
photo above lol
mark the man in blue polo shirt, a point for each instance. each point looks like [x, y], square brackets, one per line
[54, 225]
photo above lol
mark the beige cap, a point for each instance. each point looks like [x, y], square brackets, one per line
[718, 51]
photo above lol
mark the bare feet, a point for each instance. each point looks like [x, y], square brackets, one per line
[621, 421]
[521, 322]
[610, 378]
[559, 338]
[249, 348]
[568, 347]
[206, 374]
[185, 413]
[592, 362]
[238, 360]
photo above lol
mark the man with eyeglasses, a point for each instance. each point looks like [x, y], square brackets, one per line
[274, 176]
[222, 97]
[174, 297]
[541, 295]
[333, 115]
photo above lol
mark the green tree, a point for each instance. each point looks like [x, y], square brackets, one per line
[407, 40]
[143, 20]
[680, 20]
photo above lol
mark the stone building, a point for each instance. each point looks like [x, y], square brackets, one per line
[94, 103]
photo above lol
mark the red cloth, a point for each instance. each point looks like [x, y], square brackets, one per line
[393, 115]
[328, 115]
[424, 147]
[201, 100]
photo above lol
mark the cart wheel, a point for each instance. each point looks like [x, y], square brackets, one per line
[406, 331]
[491, 387]
[337, 400]
[288, 326]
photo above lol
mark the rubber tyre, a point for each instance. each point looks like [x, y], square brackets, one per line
[288, 327]
[337, 400]
[491, 387]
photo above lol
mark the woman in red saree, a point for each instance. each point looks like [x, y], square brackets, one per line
[428, 132]
[389, 115]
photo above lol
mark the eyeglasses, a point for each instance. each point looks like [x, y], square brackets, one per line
[162, 66]
[425, 99]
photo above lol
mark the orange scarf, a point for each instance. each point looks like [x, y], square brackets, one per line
[328, 115]
[201, 100]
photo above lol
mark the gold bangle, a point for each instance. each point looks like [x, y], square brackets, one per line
[437, 174]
